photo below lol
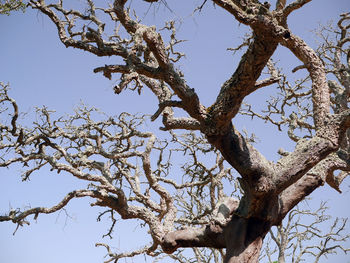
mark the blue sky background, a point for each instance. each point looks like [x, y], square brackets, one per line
[41, 71]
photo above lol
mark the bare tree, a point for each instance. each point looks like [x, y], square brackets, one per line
[6, 6]
[305, 235]
[302, 236]
[128, 169]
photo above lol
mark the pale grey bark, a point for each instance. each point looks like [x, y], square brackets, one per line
[308, 235]
[270, 189]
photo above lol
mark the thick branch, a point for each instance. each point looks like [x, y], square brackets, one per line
[317, 176]
[294, 6]
[209, 236]
[155, 44]
[234, 8]
[241, 154]
[320, 90]
[257, 173]
[241, 84]
[267, 33]
[305, 156]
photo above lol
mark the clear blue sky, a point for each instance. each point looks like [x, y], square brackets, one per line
[42, 71]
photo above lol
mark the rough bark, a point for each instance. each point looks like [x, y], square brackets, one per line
[244, 239]
[270, 190]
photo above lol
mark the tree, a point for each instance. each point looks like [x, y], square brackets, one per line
[302, 235]
[11, 5]
[105, 152]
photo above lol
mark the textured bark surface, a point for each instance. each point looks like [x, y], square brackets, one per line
[270, 189]
[246, 245]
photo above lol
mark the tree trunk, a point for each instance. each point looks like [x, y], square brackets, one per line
[244, 239]
[250, 254]
[281, 257]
